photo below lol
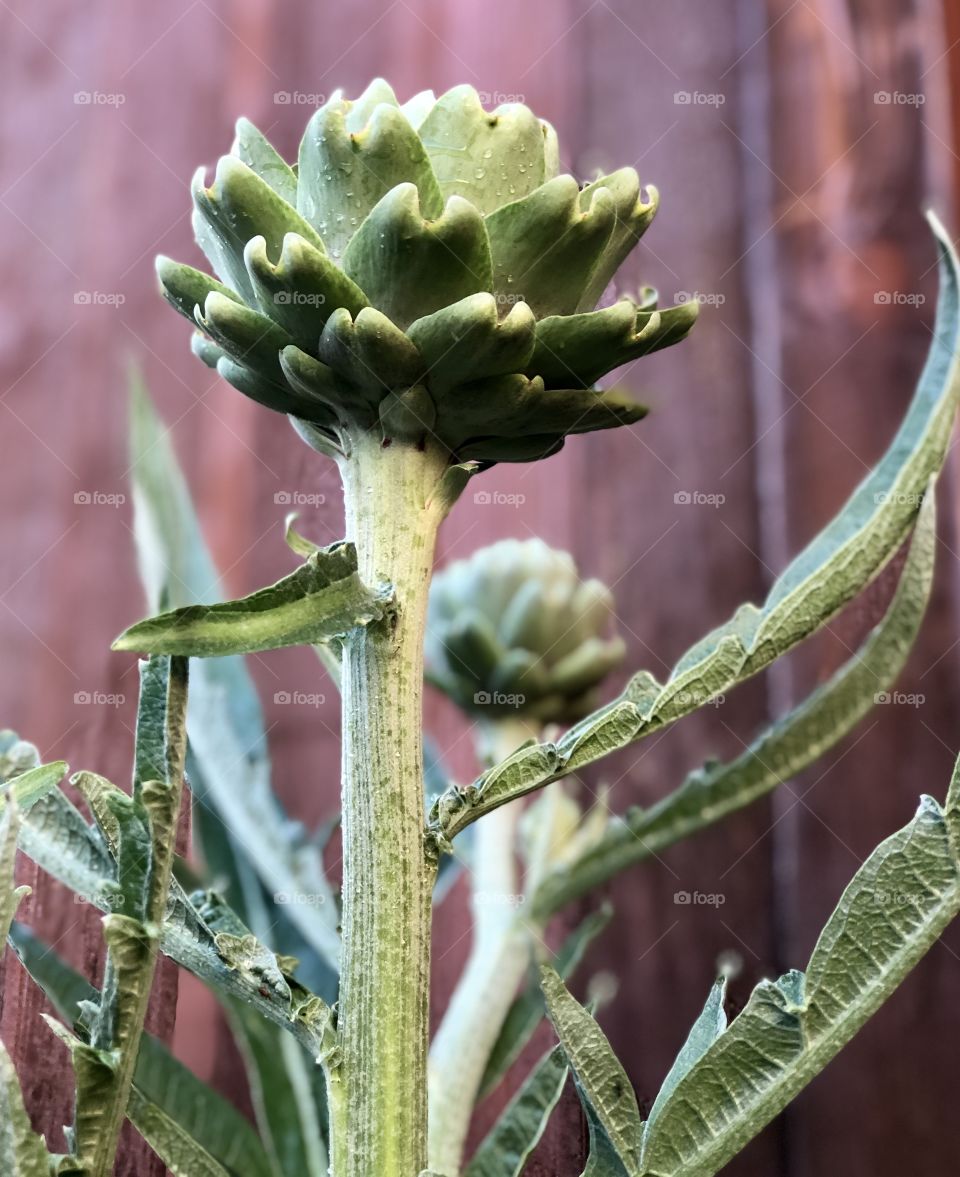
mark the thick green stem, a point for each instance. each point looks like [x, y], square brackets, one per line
[498, 959]
[393, 513]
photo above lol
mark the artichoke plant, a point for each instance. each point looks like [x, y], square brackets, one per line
[422, 270]
[513, 630]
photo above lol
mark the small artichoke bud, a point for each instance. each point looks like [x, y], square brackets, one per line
[513, 630]
[16, 756]
[422, 273]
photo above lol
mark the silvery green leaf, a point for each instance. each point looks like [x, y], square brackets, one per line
[706, 1029]
[324, 598]
[230, 762]
[173, 1106]
[892, 912]
[837, 565]
[22, 1152]
[793, 743]
[527, 1010]
[602, 1160]
[506, 1148]
[10, 894]
[598, 1072]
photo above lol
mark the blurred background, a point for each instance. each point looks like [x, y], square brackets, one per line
[795, 143]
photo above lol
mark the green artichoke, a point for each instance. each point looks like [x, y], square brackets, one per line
[422, 270]
[513, 630]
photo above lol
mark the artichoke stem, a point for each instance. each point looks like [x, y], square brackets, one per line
[498, 959]
[393, 514]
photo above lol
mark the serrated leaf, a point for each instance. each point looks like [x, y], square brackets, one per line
[22, 1152]
[786, 748]
[527, 1010]
[506, 1148]
[172, 1106]
[230, 761]
[599, 1074]
[322, 599]
[892, 912]
[10, 895]
[831, 570]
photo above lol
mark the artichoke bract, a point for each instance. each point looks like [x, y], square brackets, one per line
[513, 630]
[424, 271]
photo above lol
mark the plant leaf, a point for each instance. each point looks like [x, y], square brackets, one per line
[600, 1076]
[705, 1031]
[170, 1095]
[508, 1145]
[324, 598]
[793, 743]
[602, 1160]
[895, 908]
[830, 571]
[22, 1152]
[527, 1010]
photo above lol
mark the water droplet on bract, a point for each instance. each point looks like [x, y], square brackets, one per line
[487, 154]
[479, 173]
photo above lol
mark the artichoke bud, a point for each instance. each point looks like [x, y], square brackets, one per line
[513, 631]
[422, 270]
[16, 756]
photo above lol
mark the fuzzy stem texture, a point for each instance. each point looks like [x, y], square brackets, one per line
[393, 511]
[498, 959]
